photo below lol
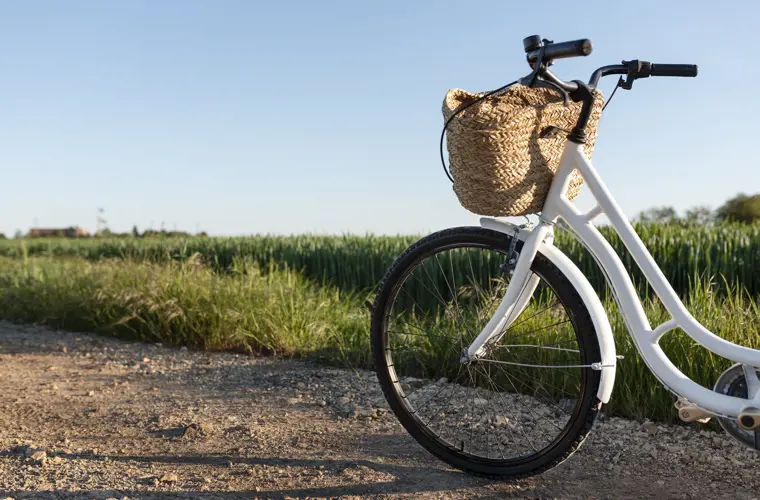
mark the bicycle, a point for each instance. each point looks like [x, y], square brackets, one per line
[459, 388]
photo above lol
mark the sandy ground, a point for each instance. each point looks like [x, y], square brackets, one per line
[83, 416]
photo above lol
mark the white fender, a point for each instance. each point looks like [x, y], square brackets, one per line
[588, 296]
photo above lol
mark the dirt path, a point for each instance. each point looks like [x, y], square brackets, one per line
[135, 420]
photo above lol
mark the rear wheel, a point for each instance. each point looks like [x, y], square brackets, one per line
[528, 404]
[733, 382]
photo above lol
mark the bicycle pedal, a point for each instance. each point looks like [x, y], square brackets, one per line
[690, 413]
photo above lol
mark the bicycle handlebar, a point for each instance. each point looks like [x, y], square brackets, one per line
[685, 70]
[533, 46]
[547, 50]
[541, 53]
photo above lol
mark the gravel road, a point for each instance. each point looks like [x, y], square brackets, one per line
[83, 416]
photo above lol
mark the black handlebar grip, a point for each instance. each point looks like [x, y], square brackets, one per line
[568, 49]
[674, 70]
[563, 49]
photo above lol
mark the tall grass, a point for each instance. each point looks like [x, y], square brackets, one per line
[188, 303]
[358, 262]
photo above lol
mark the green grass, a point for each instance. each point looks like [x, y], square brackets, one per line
[186, 303]
[354, 263]
[280, 311]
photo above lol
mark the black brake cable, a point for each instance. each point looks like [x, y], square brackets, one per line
[457, 112]
[619, 84]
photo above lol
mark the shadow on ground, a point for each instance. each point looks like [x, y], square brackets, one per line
[406, 479]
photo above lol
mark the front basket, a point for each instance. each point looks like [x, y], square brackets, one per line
[498, 161]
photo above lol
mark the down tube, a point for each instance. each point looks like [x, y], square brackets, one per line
[633, 313]
[630, 305]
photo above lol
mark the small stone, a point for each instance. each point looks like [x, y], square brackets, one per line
[169, 478]
[675, 450]
[480, 402]
[567, 404]
[366, 413]
[54, 387]
[442, 380]
[415, 383]
[294, 401]
[91, 393]
[501, 420]
[146, 360]
[649, 427]
[718, 460]
[660, 482]
[343, 400]
[56, 460]
[64, 349]
[196, 430]
[183, 349]
[50, 368]
[38, 457]
[352, 412]
[322, 403]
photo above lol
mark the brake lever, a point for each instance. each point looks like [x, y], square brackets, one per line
[636, 69]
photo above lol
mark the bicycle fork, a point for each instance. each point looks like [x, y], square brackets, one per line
[519, 292]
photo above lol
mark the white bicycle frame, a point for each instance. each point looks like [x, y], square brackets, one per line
[523, 283]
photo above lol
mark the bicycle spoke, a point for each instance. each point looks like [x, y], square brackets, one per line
[489, 407]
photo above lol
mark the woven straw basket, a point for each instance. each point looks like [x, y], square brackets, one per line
[499, 164]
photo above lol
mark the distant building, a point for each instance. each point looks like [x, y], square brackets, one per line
[66, 232]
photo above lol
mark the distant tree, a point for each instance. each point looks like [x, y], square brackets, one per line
[700, 215]
[665, 215]
[135, 231]
[18, 234]
[2, 236]
[740, 208]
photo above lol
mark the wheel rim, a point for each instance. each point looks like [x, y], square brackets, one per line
[485, 411]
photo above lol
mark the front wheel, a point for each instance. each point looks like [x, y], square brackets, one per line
[521, 409]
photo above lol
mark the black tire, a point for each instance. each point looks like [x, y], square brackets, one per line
[587, 407]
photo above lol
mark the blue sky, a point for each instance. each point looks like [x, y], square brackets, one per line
[241, 117]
